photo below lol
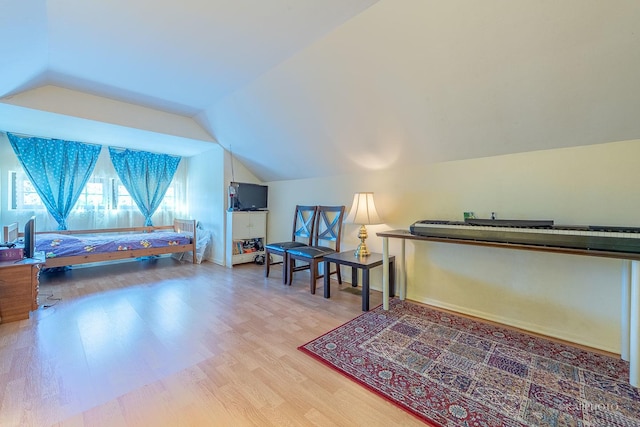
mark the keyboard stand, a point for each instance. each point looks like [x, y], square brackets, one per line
[630, 329]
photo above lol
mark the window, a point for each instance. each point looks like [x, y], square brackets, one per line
[22, 194]
[123, 200]
[95, 195]
[169, 201]
[121, 197]
[99, 193]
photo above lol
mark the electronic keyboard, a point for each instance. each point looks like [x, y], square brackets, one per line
[534, 233]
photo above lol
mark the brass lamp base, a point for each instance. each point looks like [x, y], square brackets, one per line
[362, 250]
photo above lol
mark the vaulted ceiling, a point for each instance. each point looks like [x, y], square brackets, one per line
[304, 88]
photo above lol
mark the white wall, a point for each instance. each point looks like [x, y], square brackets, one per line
[234, 171]
[571, 297]
[210, 174]
[206, 198]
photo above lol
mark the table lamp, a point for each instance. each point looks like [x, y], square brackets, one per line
[363, 212]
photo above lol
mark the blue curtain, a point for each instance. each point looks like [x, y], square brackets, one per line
[146, 176]
[57, 169]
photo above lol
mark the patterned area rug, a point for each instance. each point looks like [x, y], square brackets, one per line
[454, 371]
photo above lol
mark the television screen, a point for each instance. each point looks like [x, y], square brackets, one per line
[30, 238]
[248, 197]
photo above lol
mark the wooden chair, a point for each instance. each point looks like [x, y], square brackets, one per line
[328, 230]
[304, 221]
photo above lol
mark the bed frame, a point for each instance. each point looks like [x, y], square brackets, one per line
[11, 233]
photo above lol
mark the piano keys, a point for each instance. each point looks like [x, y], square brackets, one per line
[623, 240]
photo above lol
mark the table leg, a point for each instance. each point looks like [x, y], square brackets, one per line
[626, 310]
[403, 272]
[385, 273]
[365, 289]
[354, 277]
[634, 326]
[392, 278]
[327, 287]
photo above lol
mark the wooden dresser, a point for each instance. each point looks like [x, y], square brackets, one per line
[19, 288]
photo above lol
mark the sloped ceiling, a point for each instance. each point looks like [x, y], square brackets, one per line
[304, 88]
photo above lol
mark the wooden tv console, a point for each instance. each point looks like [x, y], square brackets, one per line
[19, 288]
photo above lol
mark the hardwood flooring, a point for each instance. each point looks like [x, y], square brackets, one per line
[162, 343]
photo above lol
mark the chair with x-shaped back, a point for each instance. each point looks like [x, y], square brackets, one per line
[304, 221]
[328, 230]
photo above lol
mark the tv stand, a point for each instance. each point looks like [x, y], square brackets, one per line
[246, 235]
[19, 287]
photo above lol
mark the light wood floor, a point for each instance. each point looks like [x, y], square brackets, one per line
[160, 343]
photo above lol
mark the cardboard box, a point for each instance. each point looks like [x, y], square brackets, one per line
[11, 254]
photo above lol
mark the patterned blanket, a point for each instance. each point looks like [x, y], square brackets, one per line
[62, 245]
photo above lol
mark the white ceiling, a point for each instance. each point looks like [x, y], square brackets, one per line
[303, 88]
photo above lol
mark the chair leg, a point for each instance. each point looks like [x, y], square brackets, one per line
[339, 274]
[285, 268]
[267, 264]
[313, 275]
[313, 270]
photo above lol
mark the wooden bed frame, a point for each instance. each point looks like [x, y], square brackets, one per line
[11, 233]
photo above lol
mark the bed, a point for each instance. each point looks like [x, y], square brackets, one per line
[72, 247]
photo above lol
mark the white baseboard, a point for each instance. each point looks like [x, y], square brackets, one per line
[526, 326]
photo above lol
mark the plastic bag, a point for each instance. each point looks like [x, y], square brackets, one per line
[204, 239]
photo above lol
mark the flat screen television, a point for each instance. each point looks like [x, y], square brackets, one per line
[248, 197]
[30, 238]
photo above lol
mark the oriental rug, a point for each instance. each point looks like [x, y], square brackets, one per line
[454, 371]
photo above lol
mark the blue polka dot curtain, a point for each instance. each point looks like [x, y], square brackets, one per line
[57, 169]
[146, 176]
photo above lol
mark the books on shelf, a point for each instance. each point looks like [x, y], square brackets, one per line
[244, 247]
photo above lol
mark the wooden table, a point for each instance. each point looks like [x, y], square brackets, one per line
[19, 288]
[365, 264]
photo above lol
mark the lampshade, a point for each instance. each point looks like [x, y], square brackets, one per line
[363, 211]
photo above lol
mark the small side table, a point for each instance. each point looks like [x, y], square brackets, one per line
[365, 264]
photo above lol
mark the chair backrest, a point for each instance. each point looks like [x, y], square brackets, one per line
[304, 222]
[329, 226]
